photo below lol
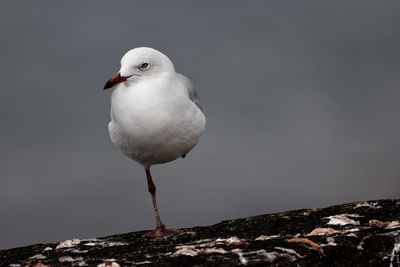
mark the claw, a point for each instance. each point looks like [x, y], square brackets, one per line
[161, 231]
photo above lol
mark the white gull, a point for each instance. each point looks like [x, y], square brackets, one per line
[156, 115]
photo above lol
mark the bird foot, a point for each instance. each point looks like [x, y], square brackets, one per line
[161, 231]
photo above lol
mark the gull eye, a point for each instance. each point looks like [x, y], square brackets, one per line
[143, 66]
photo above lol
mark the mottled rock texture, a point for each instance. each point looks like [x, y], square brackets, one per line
[356, 234]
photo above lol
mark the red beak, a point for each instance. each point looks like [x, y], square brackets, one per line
[115, 79]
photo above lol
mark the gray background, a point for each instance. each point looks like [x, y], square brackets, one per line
[301, 97]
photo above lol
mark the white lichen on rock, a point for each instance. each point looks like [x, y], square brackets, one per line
[69, 259]
[395, 252]
[372, 205]
[265, 237]
[330, 241]
[69, 243]
[191, 250]
[231, 241]
[38, 257]
[343, 219]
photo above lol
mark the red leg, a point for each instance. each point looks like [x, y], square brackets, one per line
[160, 230]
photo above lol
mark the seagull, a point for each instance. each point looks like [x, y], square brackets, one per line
[156, 116]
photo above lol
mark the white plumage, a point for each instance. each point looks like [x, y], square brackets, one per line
[153, 119]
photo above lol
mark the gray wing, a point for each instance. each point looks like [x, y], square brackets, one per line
[191, 90]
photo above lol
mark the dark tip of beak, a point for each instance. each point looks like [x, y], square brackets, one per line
[114, 80]
[108, 85]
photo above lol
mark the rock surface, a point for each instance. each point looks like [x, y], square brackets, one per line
[356, 234]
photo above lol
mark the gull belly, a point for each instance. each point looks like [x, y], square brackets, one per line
[154, 122]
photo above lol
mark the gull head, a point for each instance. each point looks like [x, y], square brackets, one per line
[140, 63]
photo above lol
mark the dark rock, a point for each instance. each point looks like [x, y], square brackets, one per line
[283, 239]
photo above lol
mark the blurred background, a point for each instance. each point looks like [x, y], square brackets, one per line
[301, 98]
